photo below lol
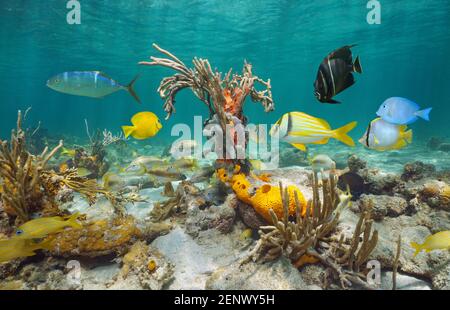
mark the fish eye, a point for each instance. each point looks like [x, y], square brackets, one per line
[19, 232]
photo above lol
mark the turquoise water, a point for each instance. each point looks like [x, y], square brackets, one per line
[406, 55]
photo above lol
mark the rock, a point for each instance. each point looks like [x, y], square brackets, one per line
[404, 282]
[249, 216]
[355, 163]
[436, 194]
[441, 279]
[383, 205]
[219, 217]
[444, 147]
[417, 170]
[149, 266]
[381, 183]
[278, 275]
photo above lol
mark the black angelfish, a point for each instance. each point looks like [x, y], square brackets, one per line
[335, 74]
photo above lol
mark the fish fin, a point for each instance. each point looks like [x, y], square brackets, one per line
[72, 221]
[425, 114]
[408, 135]
[376, 140]
[323, 141]
[128, 130]
[341, 133]
[343, 52]
[401, 143]
[64, 151]
[357, 65]
[402, 128]
[416, 247]
[130, 89]
[299, 146]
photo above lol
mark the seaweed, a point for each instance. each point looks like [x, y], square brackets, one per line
[312, 237]
[223, 95]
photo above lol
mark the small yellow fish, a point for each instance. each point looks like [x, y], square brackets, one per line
[145, 125]
[15, 248]
[383, 136]
[41, 227]
[345, 201]
[68, 152]
[299, 128]
[246, 234]
[83, 172]
[438, 241]
[111, 180]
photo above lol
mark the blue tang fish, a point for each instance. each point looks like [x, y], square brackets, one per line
[93, 84]
[401, 111]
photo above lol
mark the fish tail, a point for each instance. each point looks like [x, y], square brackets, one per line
[341, 134]
[131, 89]
[357, 65]
[72, 221]
[408, 135]
[127, 130]
[425, 114]
[416, 247]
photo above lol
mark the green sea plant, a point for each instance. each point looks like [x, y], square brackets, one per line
[313, 237]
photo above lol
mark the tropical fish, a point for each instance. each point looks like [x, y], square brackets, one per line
[112, 180]
[298, 129]
[352, 181]
[345, 201]
[149, 162]
[93, 84]
[335, 74]
[246, 234]
[15, 248]
[183, 147]
[402, 111]
[185, 163]
[68, 152]
[438, 241]
[145, 125]
[41, 227]
[382, 136]
[83, 172]
[322, 162]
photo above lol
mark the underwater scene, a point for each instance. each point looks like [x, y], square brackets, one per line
[224, 145]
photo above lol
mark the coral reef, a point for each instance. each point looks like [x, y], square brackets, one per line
[186, 195]
[96, 238]
[312, 236]
[382, 205]
[224, 96]
[22, 189]
[417, 170]
[148, 265]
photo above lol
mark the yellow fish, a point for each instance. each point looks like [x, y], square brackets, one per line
[145, 125]
[41, 227]
[112, 180]
[298, 129]
[438, 241]
[83, 172]
[68, 152]
[383, 136]
[15, 248]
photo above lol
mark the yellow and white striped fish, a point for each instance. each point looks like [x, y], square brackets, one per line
[298, 129]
